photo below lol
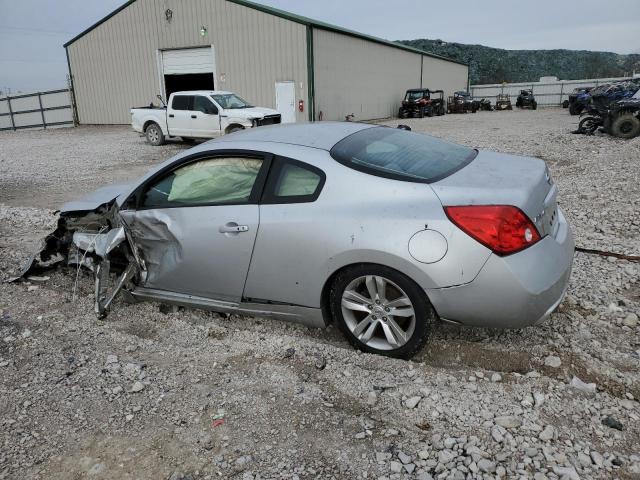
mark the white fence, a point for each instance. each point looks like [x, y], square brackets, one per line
[546, 93]
[36, 110]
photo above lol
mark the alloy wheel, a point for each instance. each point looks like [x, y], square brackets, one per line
[378, 312]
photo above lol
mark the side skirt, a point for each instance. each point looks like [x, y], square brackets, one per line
[311, 317]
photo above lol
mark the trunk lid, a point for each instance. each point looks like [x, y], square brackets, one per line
[500, 179]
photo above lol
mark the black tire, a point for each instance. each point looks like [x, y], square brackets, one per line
[424, 316]
[574, 110]
[534, 105]
[234, 128]
[401, 113]
[565, 104]
[588, 125]
[154, 134]
[430, 112]
[626, 125]
[421, 112]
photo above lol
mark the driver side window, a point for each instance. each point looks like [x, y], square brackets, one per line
[204, 105]
[209, 181]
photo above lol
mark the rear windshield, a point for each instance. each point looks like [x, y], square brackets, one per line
[402, 155]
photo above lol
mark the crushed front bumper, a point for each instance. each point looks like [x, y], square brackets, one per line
[513, 291]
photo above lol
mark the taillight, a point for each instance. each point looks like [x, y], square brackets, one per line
[504, 229]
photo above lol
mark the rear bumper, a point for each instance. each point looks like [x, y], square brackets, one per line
[514, 291]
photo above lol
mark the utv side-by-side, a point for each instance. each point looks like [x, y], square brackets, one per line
[503, 102]
[526, 100]
[422, 102]
[462, 102]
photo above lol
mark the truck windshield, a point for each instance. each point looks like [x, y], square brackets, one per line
[230, 101]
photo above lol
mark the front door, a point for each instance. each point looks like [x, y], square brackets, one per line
[196, 225]
[286, 101]
[205, 118]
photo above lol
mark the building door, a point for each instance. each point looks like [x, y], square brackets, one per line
[286, 101]
[187, 69]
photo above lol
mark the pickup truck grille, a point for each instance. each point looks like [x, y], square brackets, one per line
[268, 120]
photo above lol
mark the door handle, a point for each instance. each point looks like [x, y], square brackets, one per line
[233, 227]
[171, 115]
[194, 116]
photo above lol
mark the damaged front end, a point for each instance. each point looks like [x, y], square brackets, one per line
[96, 240]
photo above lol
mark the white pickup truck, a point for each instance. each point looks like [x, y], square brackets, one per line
[199, 114]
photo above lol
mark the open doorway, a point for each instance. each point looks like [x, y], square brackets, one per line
[188, 81]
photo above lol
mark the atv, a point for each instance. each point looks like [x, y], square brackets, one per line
[422, 102]
[485, 105]
[620, 118]
[503, 102]
[462, 102]
[578, 100]
[526, 100]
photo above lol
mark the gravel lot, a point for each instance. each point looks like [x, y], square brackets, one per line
[191, 395]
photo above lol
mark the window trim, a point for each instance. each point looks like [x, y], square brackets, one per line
[134, 201]
[278, 162]
[399, 176]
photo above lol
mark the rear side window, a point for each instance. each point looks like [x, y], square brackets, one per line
[291, 181]
[181, 102]
[401, 155]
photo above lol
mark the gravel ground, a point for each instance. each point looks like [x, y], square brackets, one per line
[191, 395]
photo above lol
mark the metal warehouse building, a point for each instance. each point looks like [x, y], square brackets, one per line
[305, 69]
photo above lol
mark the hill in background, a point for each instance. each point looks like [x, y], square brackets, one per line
[495, 65]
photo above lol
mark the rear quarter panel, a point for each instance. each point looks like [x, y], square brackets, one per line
[358, 218]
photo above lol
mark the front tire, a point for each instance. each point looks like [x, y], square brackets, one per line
[380, 310]
[154, 134]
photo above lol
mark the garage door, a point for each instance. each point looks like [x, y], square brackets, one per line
[188, 60]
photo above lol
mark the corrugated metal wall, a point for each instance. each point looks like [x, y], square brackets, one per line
[115, 66]
[353, 75]
[546, 93]
[440, 74]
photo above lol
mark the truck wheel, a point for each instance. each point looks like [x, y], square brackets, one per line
[234, 128]
[626, 125]
[154, 134]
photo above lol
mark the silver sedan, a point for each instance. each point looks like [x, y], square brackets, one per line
[379, 230]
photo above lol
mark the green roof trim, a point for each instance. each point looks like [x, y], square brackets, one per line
[309, 22]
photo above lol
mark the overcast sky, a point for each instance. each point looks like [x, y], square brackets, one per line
[32, 31]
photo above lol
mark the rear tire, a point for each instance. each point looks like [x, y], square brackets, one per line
[371, 322]
[626, 126]
[154, 134]
[534, 106]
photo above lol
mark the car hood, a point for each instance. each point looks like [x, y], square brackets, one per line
[253, 112]
[95, 199]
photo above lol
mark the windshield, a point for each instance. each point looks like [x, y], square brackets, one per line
[402, 155]
[230, 101]
[414, 95]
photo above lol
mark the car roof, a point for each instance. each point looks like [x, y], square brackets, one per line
[203, 92]
[322, 135]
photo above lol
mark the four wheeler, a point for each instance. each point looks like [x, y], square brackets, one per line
[462, 102]
[526, 100]
[503, 102]
[620, 118]
[485, 105]
[578, 100]
[421, 102]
